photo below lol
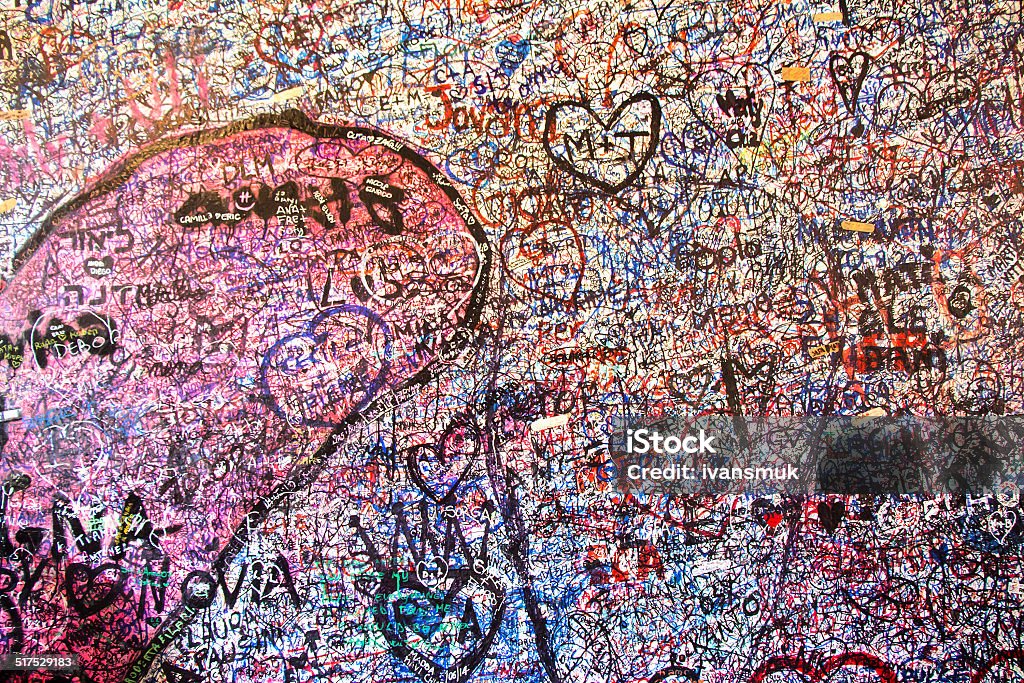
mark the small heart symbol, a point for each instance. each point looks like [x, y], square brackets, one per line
[609, 155]
[269, 201]
[767, 514]
[31, 537]
[433, 573]
[831, 515]
[959, 302]
[91, 591]
[848, 73]
[368, 585]
[939, 554]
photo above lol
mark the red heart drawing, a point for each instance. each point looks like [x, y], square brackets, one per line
[815, 674]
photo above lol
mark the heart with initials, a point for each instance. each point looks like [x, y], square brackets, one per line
[848, 73]
[858, 666]
[1000, 523]
[432, 573]
[334, 368]
[440, 632]
[99, 267]
[608, 154]
[91, 590]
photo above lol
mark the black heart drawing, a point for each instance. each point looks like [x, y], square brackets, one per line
[438, 469]
[959, 302]
[609, 155]
[939, 554]
[946, 91]
[944, 107]
[440, 633]
[848, 73]
[831, 515]
[268, 201]
[90, 591]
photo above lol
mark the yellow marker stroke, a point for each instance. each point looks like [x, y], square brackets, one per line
[14, 114]
[800, 74]
[549, 422]
[289, 94]
[867, 415]
[827, 17]
[7, 205]
[857, 226]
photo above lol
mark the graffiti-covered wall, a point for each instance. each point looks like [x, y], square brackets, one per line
[323, 323]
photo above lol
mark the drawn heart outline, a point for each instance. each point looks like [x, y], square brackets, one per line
[313, 345]
[439, 469]
[85, 591]
[537, 255]
[769, 515]
[1000, 523]
[433, 573]
[551, 122]
[848, 73]
[98, 267]
[902, 108]
[717, 83]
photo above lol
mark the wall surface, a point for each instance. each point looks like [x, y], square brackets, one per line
[317, 317]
